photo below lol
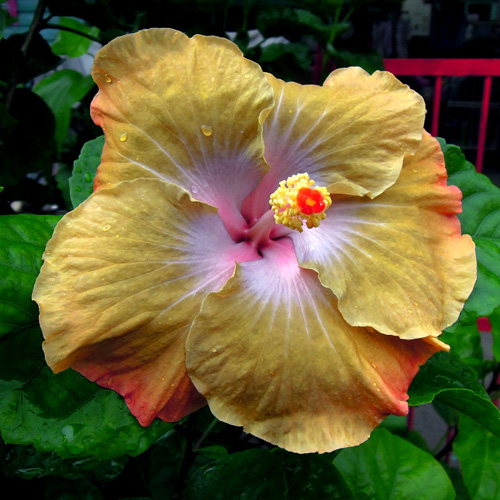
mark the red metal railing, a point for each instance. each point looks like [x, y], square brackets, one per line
[440, 68]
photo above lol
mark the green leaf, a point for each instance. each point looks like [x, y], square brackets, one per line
[387, 467]
[446, 379]
[251, 474]
[465, 342]
[481, 219]
[81, 183]
[495, 331]
[61, 91]
[22, 65]
[288, 22]
[25, 462]
[3, 21]
[64, 413]
[313, 476]
[73, 44]
[22, 242]
[28, 139]
[299, 53]
[369, 61]
[479, 453]
[162, 464]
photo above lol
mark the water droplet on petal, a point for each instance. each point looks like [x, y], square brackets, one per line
[194, 189]
[290, 111]
[88, 177]
[106, 228]
[212, 79]
[247, 76]
[206, 130]
[117, 236]
[123, 137]
[214, 350]
[107, 78]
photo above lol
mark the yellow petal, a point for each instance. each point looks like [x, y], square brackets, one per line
[185, 110]
[397, 263]
[350, 135]
[272, 353]
[124, 275]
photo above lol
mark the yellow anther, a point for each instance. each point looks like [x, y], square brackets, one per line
[296, 201]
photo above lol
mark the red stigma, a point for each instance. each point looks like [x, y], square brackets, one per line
[310, 201]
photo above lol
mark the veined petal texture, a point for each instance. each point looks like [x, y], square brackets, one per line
[185, 110]
[397, 263]
[124, 275]
[272, 353]
[350, 135]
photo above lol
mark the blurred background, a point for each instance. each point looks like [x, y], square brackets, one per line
[47, 48]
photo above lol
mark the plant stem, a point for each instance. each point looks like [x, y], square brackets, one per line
[71, 30]
[205, 434]
[34, 28]
[447, 448]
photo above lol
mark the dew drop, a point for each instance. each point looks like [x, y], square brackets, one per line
[374, 365]
[415, 171]
[88, 177]
[247, 76]
[194, 189]
[117, 236]
[206, 130]
[106, 228]
[214, 350]
[212, 79]
[123, 137]
[290, 111]
[110, 381]
[107, 78]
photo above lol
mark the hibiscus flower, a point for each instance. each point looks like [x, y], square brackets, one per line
[286, 253]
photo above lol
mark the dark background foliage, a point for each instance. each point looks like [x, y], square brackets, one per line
[63, 437]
